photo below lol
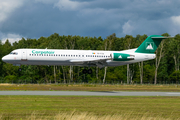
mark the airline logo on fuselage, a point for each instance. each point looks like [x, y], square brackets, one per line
[42, 52]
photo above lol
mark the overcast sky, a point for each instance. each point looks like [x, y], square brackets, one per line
[36, 18]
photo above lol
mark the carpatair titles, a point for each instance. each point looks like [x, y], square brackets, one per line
[42, 52]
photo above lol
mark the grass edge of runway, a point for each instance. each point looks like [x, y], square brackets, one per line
[89, 87]
[125, 107]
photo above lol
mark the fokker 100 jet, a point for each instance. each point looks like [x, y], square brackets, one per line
[84, 58]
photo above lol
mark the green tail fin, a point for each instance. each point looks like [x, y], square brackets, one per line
[150, 44]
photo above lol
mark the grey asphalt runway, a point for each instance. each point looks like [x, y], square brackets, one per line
[88, 93]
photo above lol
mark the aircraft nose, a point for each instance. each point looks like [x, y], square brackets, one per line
[4, 59]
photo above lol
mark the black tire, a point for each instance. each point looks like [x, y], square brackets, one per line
[89, 71]
[84, 71]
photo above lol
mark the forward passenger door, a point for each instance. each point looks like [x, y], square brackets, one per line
[23, 55]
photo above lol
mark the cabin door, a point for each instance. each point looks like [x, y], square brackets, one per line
[23, 55]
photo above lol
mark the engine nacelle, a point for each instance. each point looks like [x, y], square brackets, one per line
[122, 57]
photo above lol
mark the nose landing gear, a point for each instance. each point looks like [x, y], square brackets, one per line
[20, 69]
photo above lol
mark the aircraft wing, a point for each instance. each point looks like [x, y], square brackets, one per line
[98, 62]
[91, 60]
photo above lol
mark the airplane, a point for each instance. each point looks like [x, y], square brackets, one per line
[85, 58]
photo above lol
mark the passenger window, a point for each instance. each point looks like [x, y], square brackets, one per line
[29, 54]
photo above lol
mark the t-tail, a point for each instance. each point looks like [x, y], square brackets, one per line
[150, 45]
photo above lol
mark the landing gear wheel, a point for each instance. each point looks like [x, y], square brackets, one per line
[84, 71]
[89, 71]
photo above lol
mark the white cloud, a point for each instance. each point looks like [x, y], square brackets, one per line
[176, 20]
[70, 5]
[174, 25]
[47, 1]
[36, 18]
[7, 7]
[11, 37]
[127, 28]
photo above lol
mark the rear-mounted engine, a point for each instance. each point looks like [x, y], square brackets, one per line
[122, 57]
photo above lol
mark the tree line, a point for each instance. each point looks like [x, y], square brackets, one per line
[163, 69]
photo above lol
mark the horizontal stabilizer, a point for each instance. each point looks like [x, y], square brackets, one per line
[162, 37]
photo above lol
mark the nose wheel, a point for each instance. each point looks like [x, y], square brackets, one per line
[20, 69]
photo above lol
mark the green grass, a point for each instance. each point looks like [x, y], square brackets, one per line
[90, 87]
[60, 107]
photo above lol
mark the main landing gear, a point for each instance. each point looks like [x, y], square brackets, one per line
[89, 71]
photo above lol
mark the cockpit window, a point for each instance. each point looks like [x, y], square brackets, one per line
[13, 53]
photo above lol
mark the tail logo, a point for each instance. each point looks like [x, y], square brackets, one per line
[149, 46]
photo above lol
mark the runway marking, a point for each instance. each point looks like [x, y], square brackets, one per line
[86, 93]
[172, 93]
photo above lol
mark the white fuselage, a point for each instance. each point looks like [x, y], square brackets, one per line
[72, 57]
